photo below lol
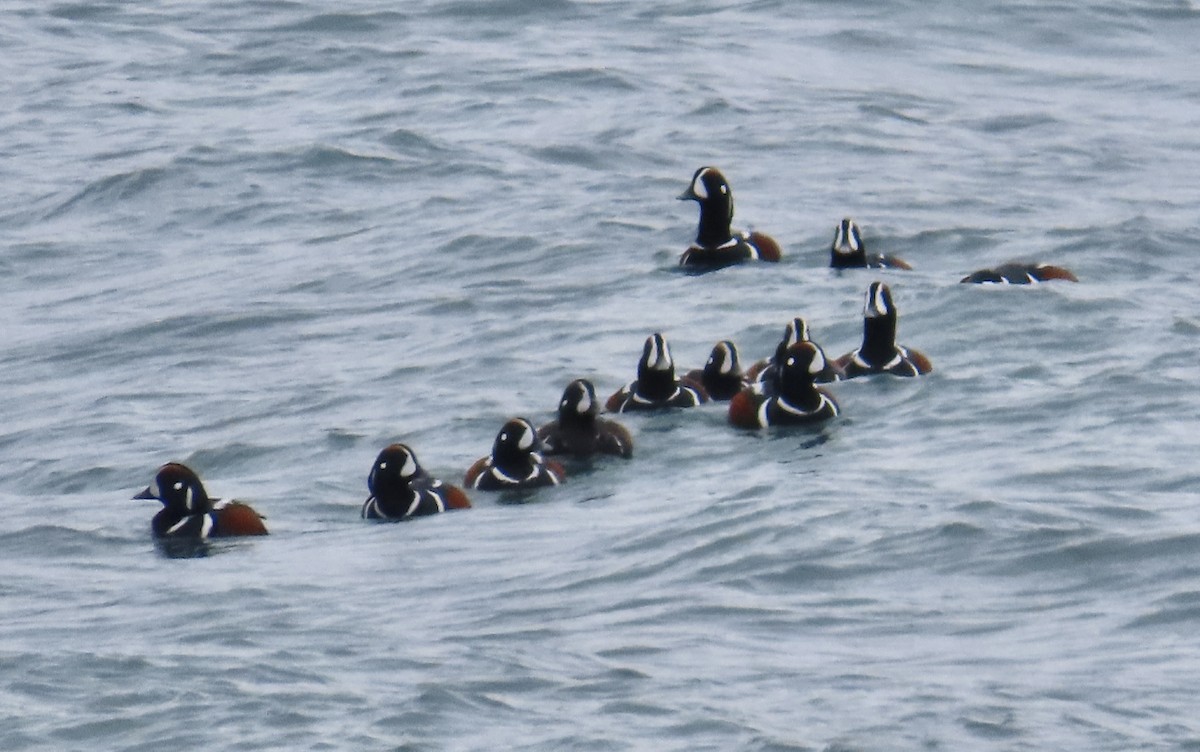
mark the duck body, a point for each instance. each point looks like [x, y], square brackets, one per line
[717, 245]
[879, 352]
[656, 387]
[850, 252]
[1017, 273]
[189, 513]
[515, 463]
[579, 431]
[797, 401]
[401, 489]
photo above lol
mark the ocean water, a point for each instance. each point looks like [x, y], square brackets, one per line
[268, 238]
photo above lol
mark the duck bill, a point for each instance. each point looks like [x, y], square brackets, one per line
[146, 494]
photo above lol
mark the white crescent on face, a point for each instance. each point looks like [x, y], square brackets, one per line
[526, 440]
[876, 305]
[818, 363]
[698, 185]
[797, 331]
[726, 364]
[585, 403]
[660, 357]
[410, 466]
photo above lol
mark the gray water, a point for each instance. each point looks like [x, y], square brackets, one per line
[268, 238]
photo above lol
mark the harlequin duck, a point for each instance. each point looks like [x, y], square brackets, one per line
[798, 400]
[764, 375]
[1016, 273]
[722, 375]
[849, 251]
[716, 244]
[515, 462]
[400, 488]
[188, 512]
[579, 431]
[656, 387]
[879, 352]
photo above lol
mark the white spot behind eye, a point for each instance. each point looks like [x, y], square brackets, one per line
[876, 305]
[662, 360]
[178, 486]
[410, 466]
[797, 331]
[727, 363]
[817, 365]
[658, 358]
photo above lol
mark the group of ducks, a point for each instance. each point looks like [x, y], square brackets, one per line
[782, 389]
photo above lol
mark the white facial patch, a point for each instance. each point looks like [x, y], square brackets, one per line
[410, 466]
[818, 363]
[698, 185]
[797, 331]
[659, 357]
[526, 440]
[727, 363]
[154, 489]
[585, 403]
[839, 239]
[846, 237]
[876, 305]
